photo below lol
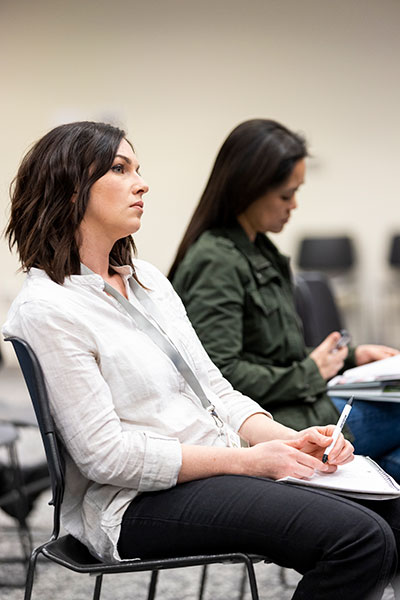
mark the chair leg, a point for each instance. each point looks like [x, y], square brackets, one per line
[97, 587]
[252, 579]
[203, 581]
[31, 573]
[153, 585]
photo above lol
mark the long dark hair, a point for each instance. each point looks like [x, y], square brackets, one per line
[257, 156]
[44, 221]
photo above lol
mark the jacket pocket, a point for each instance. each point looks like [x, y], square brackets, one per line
[263, 327]
[266, 305]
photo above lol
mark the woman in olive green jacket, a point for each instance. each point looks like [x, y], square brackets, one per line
[238, 293]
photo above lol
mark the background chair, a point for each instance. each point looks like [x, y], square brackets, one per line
[17, 485]
[394, 251]
[69, 552]
[389, 313]
[331, 254]
[316, 306]
[16, 494]
[336, 257]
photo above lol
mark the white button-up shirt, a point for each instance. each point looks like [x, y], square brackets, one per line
[120, 406]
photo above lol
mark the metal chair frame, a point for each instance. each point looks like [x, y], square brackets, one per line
[66, 550]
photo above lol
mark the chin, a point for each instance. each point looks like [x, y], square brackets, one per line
[277, 229]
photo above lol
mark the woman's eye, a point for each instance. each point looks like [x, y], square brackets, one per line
[118, 168]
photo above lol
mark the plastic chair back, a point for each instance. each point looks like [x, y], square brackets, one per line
[316, 306]
[326, 253]
[394, 252]
[34, 380]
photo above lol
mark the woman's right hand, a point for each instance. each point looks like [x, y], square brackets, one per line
[282, 458]
[328, 360]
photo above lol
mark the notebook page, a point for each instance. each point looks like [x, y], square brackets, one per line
[361, 476]
[387, 367]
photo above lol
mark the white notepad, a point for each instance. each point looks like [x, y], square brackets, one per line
[360, 478]
[387, 368]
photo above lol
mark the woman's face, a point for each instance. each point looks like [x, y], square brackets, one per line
[115, 204]
[272, 211]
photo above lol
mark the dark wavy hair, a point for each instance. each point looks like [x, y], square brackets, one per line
[257, 156]
[44, 221]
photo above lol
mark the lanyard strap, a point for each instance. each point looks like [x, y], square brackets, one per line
[158, 336]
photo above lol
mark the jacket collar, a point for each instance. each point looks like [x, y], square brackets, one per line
[257, 253]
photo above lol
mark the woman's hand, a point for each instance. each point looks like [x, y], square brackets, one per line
[281, 458]
[298, 456]
[314, 441]
[367, 353]
[329, 360]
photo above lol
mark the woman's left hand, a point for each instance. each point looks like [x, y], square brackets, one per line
[367, 353]
[314, 441]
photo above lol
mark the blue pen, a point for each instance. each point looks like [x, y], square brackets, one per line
[339, 426]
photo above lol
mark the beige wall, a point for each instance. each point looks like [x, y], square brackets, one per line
[178, 75]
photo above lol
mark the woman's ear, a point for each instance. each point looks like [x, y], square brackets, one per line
[73, 197]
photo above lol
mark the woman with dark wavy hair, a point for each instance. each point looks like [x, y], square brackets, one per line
[238, 292]
[154, 463]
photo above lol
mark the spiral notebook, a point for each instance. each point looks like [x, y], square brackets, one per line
[360, 478]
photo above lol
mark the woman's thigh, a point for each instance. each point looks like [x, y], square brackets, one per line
[305, 529]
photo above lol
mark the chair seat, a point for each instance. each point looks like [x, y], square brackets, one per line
[71, 553]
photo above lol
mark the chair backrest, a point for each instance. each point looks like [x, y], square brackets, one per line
[316, 306]
[330, 253]
[35, 382]
[394, 251]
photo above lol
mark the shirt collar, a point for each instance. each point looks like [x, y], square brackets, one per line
[91, 279]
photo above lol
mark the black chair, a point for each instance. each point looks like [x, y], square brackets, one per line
[66, 550]
[334, 254]
[316, 306]
[394, 252]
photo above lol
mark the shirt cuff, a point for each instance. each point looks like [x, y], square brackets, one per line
[162, 463]
[350, 361]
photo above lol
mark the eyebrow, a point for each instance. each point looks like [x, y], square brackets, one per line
[127, 160]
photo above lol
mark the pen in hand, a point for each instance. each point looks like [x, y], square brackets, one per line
[338, 429]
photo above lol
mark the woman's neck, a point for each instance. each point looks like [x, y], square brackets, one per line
[96, 263]
[247, 227]
[99, 264]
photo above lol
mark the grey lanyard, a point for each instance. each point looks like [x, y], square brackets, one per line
[158, 336]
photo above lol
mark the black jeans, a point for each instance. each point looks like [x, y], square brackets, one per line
[343, 549]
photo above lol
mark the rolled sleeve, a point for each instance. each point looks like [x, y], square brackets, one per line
[162, 463]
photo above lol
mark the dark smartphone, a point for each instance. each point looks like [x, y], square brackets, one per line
[344, 339]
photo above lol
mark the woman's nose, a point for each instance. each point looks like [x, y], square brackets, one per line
[140, 186]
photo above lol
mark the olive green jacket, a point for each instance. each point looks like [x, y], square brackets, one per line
[239, 298]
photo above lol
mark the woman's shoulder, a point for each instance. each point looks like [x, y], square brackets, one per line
[39, 286]
[213, 259]
[213, 246]
[40, 300]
